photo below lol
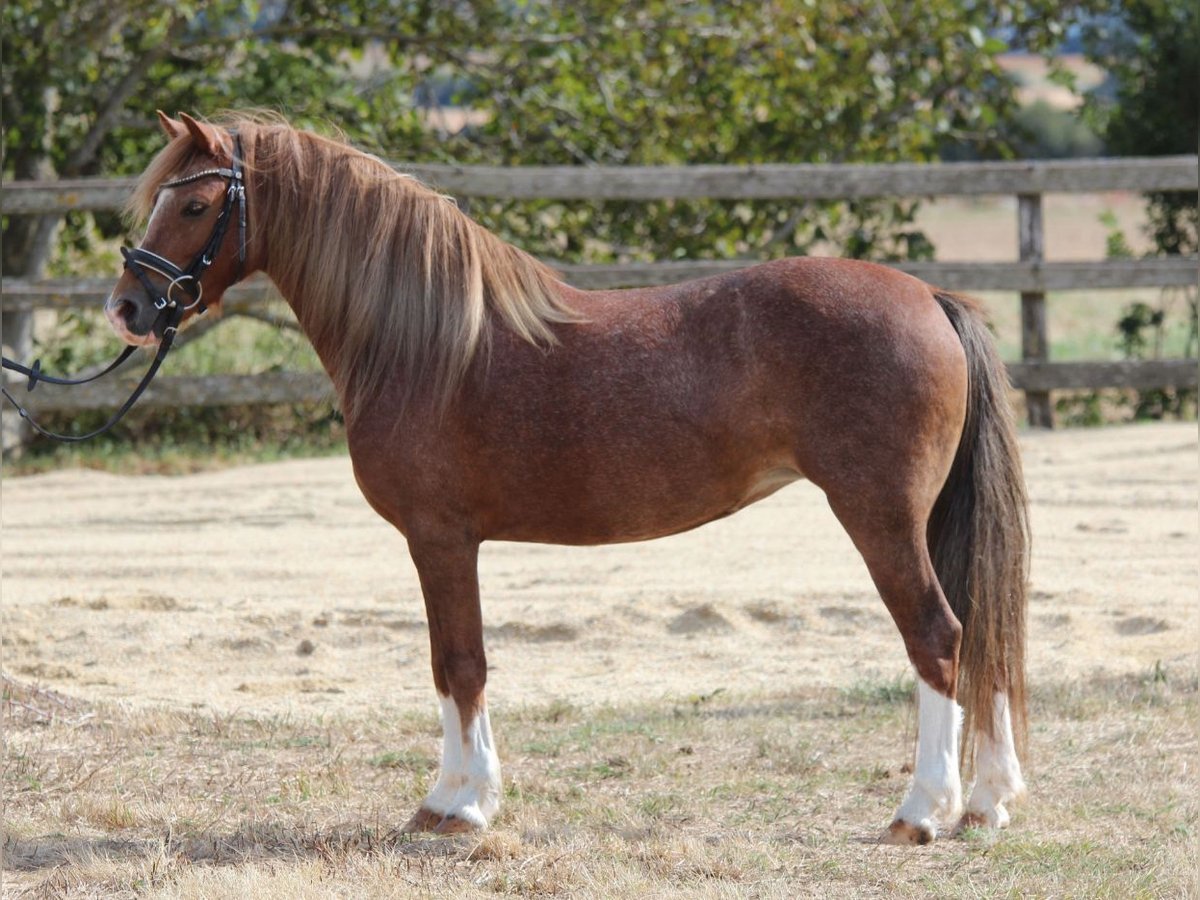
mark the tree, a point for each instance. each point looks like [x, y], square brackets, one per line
[580, 82]
[82, 79]
[737, 82]
[1151, 49]
[594, 81]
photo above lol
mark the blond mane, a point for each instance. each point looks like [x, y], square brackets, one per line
[392, 283]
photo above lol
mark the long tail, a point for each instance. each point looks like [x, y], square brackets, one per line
[979, 537]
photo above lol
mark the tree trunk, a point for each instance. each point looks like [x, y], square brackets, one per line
[28, 243]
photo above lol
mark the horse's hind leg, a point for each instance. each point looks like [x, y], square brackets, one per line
[997, 772]
[890, 535]
[467, 793]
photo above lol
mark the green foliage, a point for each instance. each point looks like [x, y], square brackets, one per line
[1047, 132]
[1144, 330]
[1135, 321]
[1080, 410]
[1141, 330]
[741, 82]
[551, 82]
[1116, 244]
[187, 439]
[1151, 49]
[582, 83]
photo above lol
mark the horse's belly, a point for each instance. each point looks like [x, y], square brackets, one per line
[768, 483]
[603, 516]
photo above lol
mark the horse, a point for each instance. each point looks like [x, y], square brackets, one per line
[485, 399]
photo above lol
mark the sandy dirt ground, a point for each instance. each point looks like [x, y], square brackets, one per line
[275, 588]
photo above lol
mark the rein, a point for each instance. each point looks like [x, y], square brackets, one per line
[141, 261]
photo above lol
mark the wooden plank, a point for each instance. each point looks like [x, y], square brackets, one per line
[767, 181]
[183, 390]
[90, 293]
[1096, 275]
[87, 293]
[812, 181]
[314, 387]
[42, 197]
[955, 276]
[1138, 373]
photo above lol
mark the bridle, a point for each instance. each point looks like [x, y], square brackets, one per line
[141, 261]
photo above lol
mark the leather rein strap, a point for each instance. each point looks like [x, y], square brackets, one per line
[141, 261]
[174, 314]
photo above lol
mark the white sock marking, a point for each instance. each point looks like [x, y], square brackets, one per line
[997, 769]
[936, 790]
[468, 786]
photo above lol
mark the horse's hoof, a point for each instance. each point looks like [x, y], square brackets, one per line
[994, 818]
[454, 825]
[906, 834]
[423, 820]
[969, 820]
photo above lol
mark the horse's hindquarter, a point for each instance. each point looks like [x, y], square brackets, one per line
[671, 407]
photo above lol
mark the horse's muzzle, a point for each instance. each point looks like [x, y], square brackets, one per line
[134, 319]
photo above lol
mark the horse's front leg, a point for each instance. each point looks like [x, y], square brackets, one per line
[467, 793]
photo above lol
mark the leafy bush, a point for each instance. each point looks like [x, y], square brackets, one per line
[1042, 131]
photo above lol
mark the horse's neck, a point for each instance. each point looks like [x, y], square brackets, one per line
[320, 277]
[287, 266]
[410, 316]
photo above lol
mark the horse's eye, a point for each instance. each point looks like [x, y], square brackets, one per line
[194, 208]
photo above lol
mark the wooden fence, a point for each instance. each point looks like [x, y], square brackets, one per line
[1030, 275]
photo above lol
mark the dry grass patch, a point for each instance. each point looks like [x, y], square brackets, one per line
[709, 796]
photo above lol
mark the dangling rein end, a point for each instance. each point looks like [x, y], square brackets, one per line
[35, 375]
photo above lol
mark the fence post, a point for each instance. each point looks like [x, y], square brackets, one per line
[1034, 345]
[17, 329]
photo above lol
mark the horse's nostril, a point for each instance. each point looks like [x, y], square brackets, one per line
[126, 309]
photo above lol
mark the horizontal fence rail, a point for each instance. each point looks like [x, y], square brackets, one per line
[185, 390]
[1141, 374]
[784, 182]
[315, 387]
[1030, 276]
[954, 276]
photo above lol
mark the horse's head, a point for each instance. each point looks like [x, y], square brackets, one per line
[195, 243]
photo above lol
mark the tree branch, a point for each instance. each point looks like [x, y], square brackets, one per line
[107, 116]
[388, 34]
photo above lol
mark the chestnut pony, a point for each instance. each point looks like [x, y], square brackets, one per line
[486, 400]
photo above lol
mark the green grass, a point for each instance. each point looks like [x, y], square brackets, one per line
[237, 344]
[181, 441]
[899, 690]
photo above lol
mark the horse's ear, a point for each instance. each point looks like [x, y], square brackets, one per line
[207, 137]
[172, 128]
